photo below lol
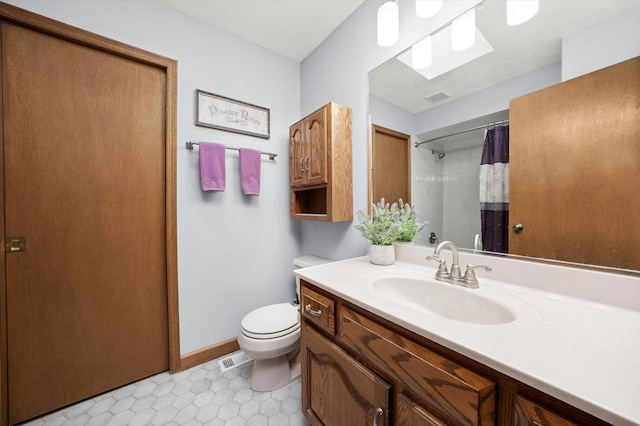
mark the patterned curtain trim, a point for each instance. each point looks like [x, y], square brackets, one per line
[494, 183]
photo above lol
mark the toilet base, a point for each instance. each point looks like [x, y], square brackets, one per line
[273, 373]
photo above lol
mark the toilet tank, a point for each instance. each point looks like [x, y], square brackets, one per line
[305, 262]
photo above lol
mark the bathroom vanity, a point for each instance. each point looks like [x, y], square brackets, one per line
[393, 346]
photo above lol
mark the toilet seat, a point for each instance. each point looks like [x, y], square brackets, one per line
[272, 321]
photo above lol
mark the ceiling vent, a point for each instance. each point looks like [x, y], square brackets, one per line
[438, 96]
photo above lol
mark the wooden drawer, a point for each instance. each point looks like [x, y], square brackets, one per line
[450, 390]
[529, 413]
[319, 309]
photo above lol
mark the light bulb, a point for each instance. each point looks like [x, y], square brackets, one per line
[421, 53]
[463, 31]
[427, 8]
[388, 24]
[519, 11]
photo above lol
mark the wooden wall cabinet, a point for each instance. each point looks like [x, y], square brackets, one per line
[359, 369]
[321, 166]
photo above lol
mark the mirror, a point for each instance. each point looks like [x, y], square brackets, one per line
[447, 115]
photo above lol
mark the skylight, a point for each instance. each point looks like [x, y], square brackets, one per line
[444, 58]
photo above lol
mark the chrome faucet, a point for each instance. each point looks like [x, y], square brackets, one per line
[469, 279]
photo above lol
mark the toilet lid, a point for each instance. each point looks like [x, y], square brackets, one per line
[271, 321]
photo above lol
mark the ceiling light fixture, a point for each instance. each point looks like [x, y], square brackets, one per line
[463, 31]
[427, 8]
[421, 53]
[388, 24]
[519, 11]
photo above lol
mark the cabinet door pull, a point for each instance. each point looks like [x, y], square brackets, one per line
[379, 412]
[302, 164]
[306, 164]
[311, 311]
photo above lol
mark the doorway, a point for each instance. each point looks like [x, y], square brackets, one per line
[90, 294]
[390, 172]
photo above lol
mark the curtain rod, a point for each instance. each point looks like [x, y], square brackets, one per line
[417, 144]
[272, 156]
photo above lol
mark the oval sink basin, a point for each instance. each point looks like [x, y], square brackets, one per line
[443, 299]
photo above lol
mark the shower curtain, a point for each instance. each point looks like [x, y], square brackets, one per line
[494, 190]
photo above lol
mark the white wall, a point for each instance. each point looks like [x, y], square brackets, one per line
[487, 101]
[337, 71]
[234, 251]
[607, 43]
[390, 116]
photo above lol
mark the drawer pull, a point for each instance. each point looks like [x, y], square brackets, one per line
[379, 412]
[311, 311]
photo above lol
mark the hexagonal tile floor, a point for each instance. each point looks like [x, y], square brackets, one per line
[202, 395]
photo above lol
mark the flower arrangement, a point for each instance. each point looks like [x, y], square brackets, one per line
[389, 223]
[381, 227]
[408, 225]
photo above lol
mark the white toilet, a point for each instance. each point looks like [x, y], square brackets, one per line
[271, 336]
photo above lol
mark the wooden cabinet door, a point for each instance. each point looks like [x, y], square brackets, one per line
[410, 413]
[568, 143]
[336, 389]
[454, 392]
[316, 163]
[297, 154]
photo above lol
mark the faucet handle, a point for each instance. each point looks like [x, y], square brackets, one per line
[442, 268]
[470, 276]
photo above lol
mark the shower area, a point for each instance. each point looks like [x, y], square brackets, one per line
[446, 170]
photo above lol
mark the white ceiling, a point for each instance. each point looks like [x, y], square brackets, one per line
[294, 28]
[291, 28]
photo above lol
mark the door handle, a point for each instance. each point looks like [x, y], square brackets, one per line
[379, 412]
[312, 311]
[517, 228]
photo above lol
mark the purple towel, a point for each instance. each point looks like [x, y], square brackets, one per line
[212, 171]
[250, 171]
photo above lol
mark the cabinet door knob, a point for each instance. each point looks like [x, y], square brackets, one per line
[379, 412]
[311, 311]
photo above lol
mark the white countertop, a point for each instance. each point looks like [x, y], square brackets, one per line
[582, 352]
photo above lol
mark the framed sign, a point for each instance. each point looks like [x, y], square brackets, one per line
[218, 112]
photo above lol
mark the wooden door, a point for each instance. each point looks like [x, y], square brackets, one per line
[391, 158]
[317, 154]
[336, 389]
[84, 175]
[575, 150]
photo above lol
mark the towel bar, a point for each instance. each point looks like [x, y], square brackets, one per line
[271, 155]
